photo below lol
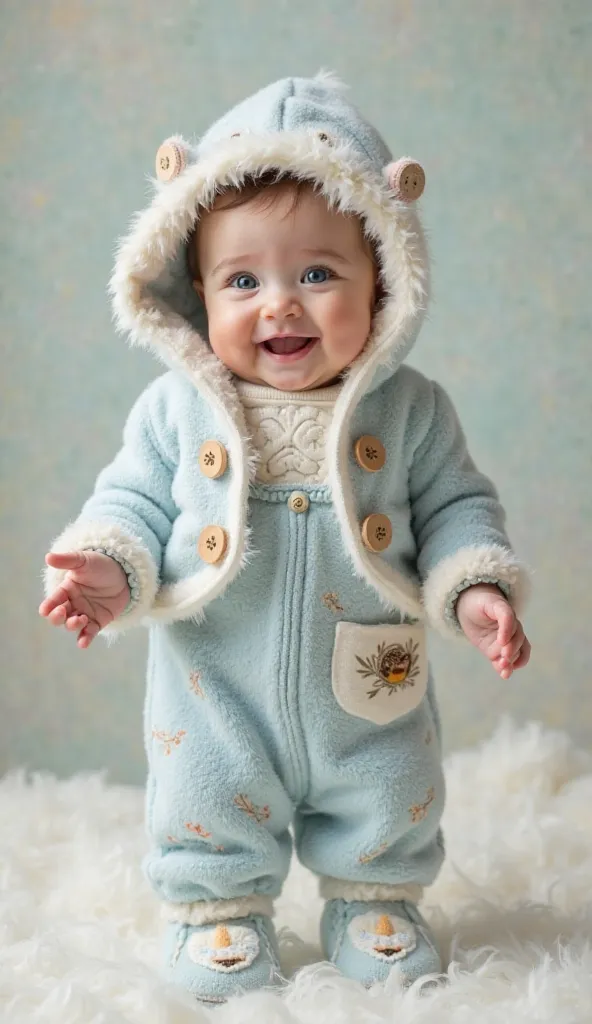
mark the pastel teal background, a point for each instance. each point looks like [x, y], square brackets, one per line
[494, 98]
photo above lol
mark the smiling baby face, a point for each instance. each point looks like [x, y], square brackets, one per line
[289, 285]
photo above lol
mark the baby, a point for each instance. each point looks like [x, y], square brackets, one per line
[290, 508]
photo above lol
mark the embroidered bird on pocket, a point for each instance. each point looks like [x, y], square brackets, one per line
[393, 668]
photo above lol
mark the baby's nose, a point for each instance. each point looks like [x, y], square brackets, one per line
[281, 303]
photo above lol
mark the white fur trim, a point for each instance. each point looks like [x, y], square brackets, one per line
[486, 564]
[213, 911]
[349, 186]
[331, 80]
[339, 889]
[396, 590]
[89, 535]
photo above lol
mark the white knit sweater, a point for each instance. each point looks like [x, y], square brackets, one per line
[289, 430]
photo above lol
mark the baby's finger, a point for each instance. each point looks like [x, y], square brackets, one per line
[511, 649]
[87, 635]
[59, 596]
[76, 622]
[524, 655]
[59, 615]
[65, 559]
[506, 621]
[502, 666]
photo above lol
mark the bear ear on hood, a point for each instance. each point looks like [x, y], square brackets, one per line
[172, 158]
[406, 177]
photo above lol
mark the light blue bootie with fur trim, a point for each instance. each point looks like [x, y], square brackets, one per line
[367, 940]
[227, 958]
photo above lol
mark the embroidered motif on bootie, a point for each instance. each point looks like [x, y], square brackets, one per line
[216, 961]
[368, 940]
[224, 948]
[382, 936]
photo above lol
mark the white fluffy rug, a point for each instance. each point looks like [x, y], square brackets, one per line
[79, 926]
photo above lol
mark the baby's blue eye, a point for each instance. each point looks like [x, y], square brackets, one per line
[244, 281]
[317, 275]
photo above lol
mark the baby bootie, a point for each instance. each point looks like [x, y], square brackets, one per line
[366, 940]
[216, 961]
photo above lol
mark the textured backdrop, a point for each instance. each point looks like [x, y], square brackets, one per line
[494, 98]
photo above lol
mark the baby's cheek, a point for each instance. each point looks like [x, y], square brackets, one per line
[351, 322]
[226, 326]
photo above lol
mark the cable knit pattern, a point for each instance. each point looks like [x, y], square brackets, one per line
[289, 430]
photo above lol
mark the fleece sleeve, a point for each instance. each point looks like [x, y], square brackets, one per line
[457, 520]
[131, 512]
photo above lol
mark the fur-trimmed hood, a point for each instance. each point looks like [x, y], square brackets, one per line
[305, 127]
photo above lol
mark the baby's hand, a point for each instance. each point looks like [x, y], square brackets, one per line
[489, 622]
[93, 593]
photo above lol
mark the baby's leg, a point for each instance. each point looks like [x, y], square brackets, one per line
[218, 817]
[371, 830]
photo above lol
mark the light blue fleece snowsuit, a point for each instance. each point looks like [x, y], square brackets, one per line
[288, 682]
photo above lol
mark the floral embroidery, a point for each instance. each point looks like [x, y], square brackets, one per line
[194, 683]
[365, 858]
[331, 601]
[419, 811]
[169, 741]
[198, 829]
[394, 668]
[259, 814]
[202, 833]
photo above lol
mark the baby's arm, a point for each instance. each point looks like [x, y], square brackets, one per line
[458, 523]
[130, 515]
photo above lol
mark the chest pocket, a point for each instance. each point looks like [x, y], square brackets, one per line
[379, 672]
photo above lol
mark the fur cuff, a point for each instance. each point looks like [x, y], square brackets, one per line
[134, 558]
[209, 912]
[339, 889]
[467, 567]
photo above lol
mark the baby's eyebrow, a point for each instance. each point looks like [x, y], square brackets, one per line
[326, 252]
[231, 261]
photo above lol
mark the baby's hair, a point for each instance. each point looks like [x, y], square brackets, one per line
[263, 188]
[266, 189]
[260, 187]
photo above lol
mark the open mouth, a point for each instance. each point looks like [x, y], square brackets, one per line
[289, 347]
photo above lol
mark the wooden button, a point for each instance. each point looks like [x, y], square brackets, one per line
[213, 459]
[170, 160]
[370, 453]
[298, 501]
[407, 178]
[212, 544]
[377, 532]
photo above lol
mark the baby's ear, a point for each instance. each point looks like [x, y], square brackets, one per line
[406, 177]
